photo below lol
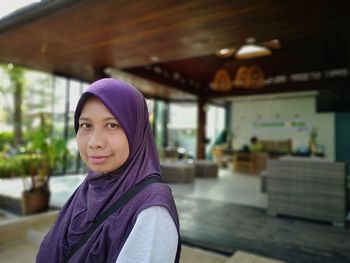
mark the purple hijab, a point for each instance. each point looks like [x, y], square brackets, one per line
[97, 192]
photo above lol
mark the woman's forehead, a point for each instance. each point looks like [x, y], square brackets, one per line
[95, 108]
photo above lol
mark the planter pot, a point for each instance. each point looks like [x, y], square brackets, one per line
[35, 201]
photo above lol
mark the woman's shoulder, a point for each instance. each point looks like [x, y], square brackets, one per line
[154, 189]
[156, 211]
[156, 194]
[159, 187]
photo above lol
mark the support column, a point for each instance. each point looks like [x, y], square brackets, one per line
[201, 136]
[229, 124]
[78, 159]
[228, 116]
[348, 55]
[154, 124]
[165, 125]
[66, 124]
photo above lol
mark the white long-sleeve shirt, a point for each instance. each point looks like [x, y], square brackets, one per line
[153, 238]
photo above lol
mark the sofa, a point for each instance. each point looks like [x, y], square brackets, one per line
[177, 172]
[206, 169]
[307, 188]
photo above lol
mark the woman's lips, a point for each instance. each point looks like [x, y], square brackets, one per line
[98, 159]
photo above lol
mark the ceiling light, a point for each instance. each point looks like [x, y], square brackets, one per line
[225, 52]
[274, 43]
[154, 59]
[252, 51]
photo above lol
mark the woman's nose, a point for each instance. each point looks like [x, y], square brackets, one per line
[96, 140]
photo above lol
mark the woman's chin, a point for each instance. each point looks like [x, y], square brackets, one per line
[98, 168]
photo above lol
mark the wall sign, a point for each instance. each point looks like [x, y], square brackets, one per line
[299, 125]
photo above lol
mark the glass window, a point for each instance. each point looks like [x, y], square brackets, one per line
[182, 128]
[215, 125]
[159, 121]
[59, 106]
[150, 107]
[37, 99]
[73, 162]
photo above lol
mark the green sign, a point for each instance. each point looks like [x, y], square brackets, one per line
[281, 124]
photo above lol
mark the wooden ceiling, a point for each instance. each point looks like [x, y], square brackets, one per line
[81, 38]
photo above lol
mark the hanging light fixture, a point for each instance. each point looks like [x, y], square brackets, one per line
[252, 50]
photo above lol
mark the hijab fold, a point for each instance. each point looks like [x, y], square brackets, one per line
[98, 191]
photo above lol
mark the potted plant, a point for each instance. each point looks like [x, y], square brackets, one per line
[313, 140]
[47, 152]
[35, 197]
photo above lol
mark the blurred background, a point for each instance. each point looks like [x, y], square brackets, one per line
[248, 101]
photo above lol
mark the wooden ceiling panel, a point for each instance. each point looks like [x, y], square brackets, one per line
[79, 38]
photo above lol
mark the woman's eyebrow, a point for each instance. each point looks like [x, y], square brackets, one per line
[84, 119]
[104, 119]
[109, 118]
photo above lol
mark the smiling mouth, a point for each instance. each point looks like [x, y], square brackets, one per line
[98, 159]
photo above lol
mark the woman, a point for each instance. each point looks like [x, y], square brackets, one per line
[115, 141]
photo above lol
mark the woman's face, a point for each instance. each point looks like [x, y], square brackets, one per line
[102, 143]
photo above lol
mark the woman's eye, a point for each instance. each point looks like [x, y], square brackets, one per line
[85, 125]
[112, 125]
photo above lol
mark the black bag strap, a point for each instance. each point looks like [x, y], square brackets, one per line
[114, 207]
[178, 250]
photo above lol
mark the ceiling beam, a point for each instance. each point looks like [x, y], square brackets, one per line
[165, 76]
[322, 84]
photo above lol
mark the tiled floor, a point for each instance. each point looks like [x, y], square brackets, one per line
[24, 251]
[228, 188]
[18, 252]
[227, 227]
[227, 214]
[237, 189]
[5, 215]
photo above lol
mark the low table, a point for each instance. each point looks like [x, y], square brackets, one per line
[206, 168]
[177, 172]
